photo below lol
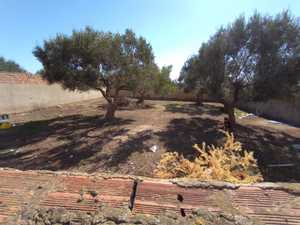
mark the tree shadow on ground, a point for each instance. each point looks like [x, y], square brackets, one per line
[132, 106]
[193, 109]
[271, 147]
[138, 143]
[268, 147]
[181, 134]
[138, 146]
[76, 138]
[67, 142]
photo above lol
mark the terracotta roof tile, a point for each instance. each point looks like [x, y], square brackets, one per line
[19, 189]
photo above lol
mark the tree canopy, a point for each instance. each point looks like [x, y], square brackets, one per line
[163, 83]
[257, 58]
[10, 66]
[153, 81]
[90, 59]
[144, 81]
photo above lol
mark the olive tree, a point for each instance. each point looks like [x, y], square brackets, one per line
[10, 66]
[163, 84]
[258, 58]
[153, 80]
[223, 66]
[93, 60]
[144, 82]
[239, 65]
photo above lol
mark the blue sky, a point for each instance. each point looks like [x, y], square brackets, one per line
[175, 28]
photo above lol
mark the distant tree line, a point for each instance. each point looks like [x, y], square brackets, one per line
[10, 66]
[154, 80]
[254, 59]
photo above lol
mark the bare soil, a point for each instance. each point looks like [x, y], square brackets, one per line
[75, 137]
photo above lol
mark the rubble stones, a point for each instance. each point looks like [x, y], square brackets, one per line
[111, 216]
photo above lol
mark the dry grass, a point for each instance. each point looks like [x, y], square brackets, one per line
[226, 163]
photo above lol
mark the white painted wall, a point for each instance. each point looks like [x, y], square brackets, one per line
[26, 97]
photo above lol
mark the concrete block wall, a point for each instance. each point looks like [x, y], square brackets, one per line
[21, 92]
[275, 109]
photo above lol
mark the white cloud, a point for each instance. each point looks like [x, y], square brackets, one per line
[176, 58]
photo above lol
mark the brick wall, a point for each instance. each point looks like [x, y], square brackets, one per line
[20, 78]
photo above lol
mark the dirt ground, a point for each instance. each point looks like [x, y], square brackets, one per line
[75, 137]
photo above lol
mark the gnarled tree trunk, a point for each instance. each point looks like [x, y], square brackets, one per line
[230, 100]
[199, 99]
[229, 122]
[112, 103]
[110, 111]
[140, 101]
[141, 98]
[230, 112]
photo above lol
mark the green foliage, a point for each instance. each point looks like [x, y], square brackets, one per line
[259, 58]
[10, 66]
[39, 72]
[204, 71]
[190, 73]
[89, 59]
[163, 84]
[153, 80]
[144, 81]
[275, 42]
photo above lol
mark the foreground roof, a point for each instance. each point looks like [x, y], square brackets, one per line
[271, 203]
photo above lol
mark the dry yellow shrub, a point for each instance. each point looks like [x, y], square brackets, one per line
[226, 163]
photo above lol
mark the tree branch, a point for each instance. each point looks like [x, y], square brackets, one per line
[104, 94]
